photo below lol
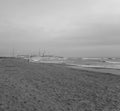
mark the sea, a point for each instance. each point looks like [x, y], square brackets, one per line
[113, 63]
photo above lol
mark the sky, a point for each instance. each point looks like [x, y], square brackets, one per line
[70, 28]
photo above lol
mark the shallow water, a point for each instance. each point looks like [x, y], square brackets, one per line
[95, 63]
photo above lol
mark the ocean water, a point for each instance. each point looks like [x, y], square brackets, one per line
[95, 62]
[113, 63]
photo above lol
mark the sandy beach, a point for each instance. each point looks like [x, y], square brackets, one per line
[32, 86]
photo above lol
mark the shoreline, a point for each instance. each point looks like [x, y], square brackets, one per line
[97, 69]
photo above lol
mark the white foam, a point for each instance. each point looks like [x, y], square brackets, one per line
[112, 62]
[101, 66]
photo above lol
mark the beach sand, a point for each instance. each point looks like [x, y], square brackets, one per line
[54, 87]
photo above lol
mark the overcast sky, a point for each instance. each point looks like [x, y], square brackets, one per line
[61, 27]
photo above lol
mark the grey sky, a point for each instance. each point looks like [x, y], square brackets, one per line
[62, 27]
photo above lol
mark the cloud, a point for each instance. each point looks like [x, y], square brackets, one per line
[64, 25]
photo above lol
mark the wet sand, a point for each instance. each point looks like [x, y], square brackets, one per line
[97, 69]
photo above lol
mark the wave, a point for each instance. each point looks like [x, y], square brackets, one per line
[98, 66]
[102, 66]
[113, 62]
